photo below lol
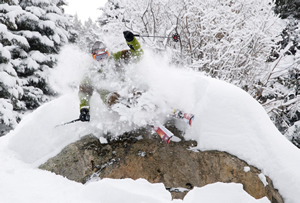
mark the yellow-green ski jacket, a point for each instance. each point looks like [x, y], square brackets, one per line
[88, 85]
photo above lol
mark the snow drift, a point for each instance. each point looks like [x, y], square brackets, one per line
[226, 119]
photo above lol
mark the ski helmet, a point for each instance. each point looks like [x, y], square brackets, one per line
[99, 51]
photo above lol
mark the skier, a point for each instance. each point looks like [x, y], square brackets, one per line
[105, 75]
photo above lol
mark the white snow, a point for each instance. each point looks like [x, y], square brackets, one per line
[12, 37]
[103, 140]
[42, 38]
[6, 110]
[71, 66]
[36, 11]
[38, 56]
[263, 179]
[221, 192]
[8, 68]
[31, 63]
[246, 168]
[7, 80]
[3, 51]
[226, 119]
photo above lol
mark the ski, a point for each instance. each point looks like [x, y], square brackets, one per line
[186, 117]
[163, 132]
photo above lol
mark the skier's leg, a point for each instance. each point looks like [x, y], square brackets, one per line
[112, 99]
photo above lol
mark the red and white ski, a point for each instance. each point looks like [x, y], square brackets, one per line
[187, 117]
[163, 132]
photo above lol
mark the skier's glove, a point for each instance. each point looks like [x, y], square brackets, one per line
[84, 114]
[128, 36]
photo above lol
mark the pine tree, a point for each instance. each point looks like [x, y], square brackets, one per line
[31, 34]
[87, 33]
[288, 8]
[112, 23]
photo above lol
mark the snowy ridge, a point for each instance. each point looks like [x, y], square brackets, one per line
[227, 119]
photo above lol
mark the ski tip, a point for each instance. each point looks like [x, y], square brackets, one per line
[191, 120]
[168, 141]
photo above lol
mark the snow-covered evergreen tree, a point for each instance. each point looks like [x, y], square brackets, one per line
[87, 33]
[112, 23]
[280, 91]
[288, 8]
[31, 34]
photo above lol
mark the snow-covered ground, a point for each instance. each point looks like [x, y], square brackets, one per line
[226, 119]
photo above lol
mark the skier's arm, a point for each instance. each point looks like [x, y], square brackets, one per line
[135, 48]
[134, 53]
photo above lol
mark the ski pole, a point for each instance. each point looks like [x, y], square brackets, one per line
[73, 121]
[175, 37]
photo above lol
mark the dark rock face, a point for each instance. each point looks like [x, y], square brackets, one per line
[175, 164]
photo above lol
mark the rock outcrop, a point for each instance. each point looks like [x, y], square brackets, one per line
[142, 154]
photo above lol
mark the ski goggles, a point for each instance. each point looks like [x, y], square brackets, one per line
[100, 55]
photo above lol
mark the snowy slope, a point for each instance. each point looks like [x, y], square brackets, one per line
[22, 183]
[227, 119]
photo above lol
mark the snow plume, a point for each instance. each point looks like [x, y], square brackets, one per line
[162, 92]
[72, 63]
[153, 76]
[168, 84]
